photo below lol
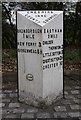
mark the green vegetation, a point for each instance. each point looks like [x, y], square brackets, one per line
[71, 56]
[9, 53]
[12, 53]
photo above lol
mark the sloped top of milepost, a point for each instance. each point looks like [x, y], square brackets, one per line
[40, 17]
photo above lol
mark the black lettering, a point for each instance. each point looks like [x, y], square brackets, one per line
[52, 36]
[47, 42]
[40, 44]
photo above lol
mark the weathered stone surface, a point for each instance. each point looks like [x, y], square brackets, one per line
[77, 87]
[43, 115]
[74, 114]
[71, 103]
[75, 91]
[60, 108]
[2, 105]
[16, 90]
[65, 101]
[79, 96]
[75, 107]
[37, 43]
[0, 91]
[70, 97]
[32, 110]
[12, 116]
[11, 105]
[18, 110]
[27, 115]
[5, 100]
[60, 115]
[6, 111]
[65, 92]
[77, 101]
[7, 91]
[67, 88]
[0, 96]
[3, 95]
[13, 94]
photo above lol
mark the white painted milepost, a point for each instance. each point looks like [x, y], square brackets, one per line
[40, 56]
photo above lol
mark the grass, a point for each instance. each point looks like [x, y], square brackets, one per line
[9, 53]
[12, 53]
[71, 56]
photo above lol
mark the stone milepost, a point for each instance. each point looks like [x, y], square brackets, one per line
[40, 56]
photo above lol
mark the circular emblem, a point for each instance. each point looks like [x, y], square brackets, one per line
[29, 77]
